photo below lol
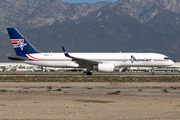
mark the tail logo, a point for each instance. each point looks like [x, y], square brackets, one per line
[18, 43]
[139, 60]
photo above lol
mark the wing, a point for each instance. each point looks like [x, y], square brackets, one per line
[81, 61]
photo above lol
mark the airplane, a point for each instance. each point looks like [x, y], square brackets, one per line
[105, 62]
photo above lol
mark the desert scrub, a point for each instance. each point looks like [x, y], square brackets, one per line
[59, 89]
[114, 93]
[3, 90]
[49, 88]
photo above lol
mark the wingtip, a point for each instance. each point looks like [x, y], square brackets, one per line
[63, 49]
[65, 52]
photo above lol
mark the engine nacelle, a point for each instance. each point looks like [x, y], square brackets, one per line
[104, 67]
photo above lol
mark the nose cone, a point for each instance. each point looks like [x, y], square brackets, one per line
[171, 62]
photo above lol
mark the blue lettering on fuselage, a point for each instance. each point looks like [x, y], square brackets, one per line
[139, 60]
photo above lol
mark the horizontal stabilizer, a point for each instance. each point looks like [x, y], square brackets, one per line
[13, 57]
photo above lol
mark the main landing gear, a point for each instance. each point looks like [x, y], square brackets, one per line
[87, 73]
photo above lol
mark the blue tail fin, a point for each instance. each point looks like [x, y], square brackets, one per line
[20, 44]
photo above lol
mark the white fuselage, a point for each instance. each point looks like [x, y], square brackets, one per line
[118, 59]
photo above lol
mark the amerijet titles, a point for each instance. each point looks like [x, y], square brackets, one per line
[139, 60]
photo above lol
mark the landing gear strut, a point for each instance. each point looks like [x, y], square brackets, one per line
[89, 68]
[153, 71]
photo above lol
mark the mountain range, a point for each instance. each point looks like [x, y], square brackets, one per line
[125, 25]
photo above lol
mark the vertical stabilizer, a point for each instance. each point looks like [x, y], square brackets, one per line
[20, 44]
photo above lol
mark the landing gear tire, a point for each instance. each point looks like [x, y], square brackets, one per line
[87, 73]
[153, 73]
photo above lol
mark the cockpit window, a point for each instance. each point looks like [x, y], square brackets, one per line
[166, 58]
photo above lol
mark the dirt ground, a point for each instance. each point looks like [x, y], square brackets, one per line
[89, 100]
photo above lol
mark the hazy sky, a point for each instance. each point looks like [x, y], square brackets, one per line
[87, 1]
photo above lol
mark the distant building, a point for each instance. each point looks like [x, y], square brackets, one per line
[18, 67]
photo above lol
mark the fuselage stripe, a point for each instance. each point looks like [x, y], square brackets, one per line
[48, 59]
[109, 60]
[70, 59]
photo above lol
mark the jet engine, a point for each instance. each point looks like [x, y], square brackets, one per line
[104, 67]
